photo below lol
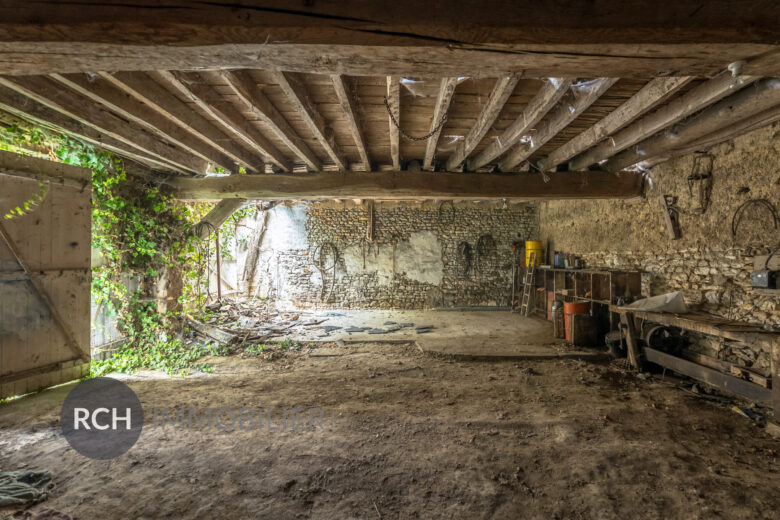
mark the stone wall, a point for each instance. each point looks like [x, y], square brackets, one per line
[415, 257]
[710, 266]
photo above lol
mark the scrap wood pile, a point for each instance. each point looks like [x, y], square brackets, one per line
[231, 322]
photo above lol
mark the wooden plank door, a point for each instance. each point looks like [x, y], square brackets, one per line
[45, 274]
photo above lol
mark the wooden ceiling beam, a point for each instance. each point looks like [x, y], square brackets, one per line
[356, 22]
[443, 100]
[214, 219]
[651, 95]
[253, 100]
[296, 92]
[459, 59]
[147, 91]
[702, 144]
[128, 108]
[550, 93]
[762, 96]
[498, 97]
[584, 96]
[52, 95]
[346, 96]
[394, 103]
[225, 114]
[410, 185]
[674, 111]
[40, 115]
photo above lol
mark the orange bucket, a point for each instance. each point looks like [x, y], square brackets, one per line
[570, 308]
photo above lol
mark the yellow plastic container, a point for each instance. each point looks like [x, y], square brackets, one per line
[533, 246]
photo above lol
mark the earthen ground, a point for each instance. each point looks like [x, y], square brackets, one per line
[409, 435]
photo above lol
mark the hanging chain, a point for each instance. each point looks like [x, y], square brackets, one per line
[411, 137]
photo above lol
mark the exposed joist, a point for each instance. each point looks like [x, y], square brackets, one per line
[156, 97]
[652, 94]
[550, 93]
[443, 100]
[131, 109]
[26, 109]
[217, 216]
[559, 119]
[296, 92]
[674, 111]
[46, 92]
[411, 185]
[225, 114]
[346, 96]
[762, 96]
[761, 119]
[394, 103]
[498, 97]
[253, 100]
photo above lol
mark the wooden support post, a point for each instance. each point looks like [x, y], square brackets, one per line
[629, 328]
[219, 267]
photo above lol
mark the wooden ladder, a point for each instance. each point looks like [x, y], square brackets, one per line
[528, 283]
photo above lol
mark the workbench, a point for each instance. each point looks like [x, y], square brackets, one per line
[710, 325]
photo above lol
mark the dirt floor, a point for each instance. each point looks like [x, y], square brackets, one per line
[411, 435]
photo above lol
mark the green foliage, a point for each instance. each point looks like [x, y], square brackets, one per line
[140, 234]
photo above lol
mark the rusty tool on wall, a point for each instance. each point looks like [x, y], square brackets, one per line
[701, 173]
[671, 216]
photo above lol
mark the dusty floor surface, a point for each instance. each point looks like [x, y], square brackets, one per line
[407, 435]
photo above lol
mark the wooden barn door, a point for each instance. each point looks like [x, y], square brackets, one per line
[45, 273]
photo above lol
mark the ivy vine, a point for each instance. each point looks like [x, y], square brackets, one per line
[140, 233]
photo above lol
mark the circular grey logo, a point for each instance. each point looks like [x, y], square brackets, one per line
[101, 418]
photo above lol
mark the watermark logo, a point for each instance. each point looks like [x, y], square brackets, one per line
[101, 418]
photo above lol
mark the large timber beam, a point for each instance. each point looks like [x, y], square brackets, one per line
[147, 91]
[561, 117]
[674, 111]
[649, 96]
[46, 92]
[253, 99]
[550, 93]
[485, 39]
[498, 97]
[476, 61]
[762, 96]
[408, 185]
[225, 114]
[443, 100]
[356, 22]
[348, 101]
[296, 92]
[100, 91]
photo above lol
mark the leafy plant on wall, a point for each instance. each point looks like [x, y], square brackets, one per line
[140, 233]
